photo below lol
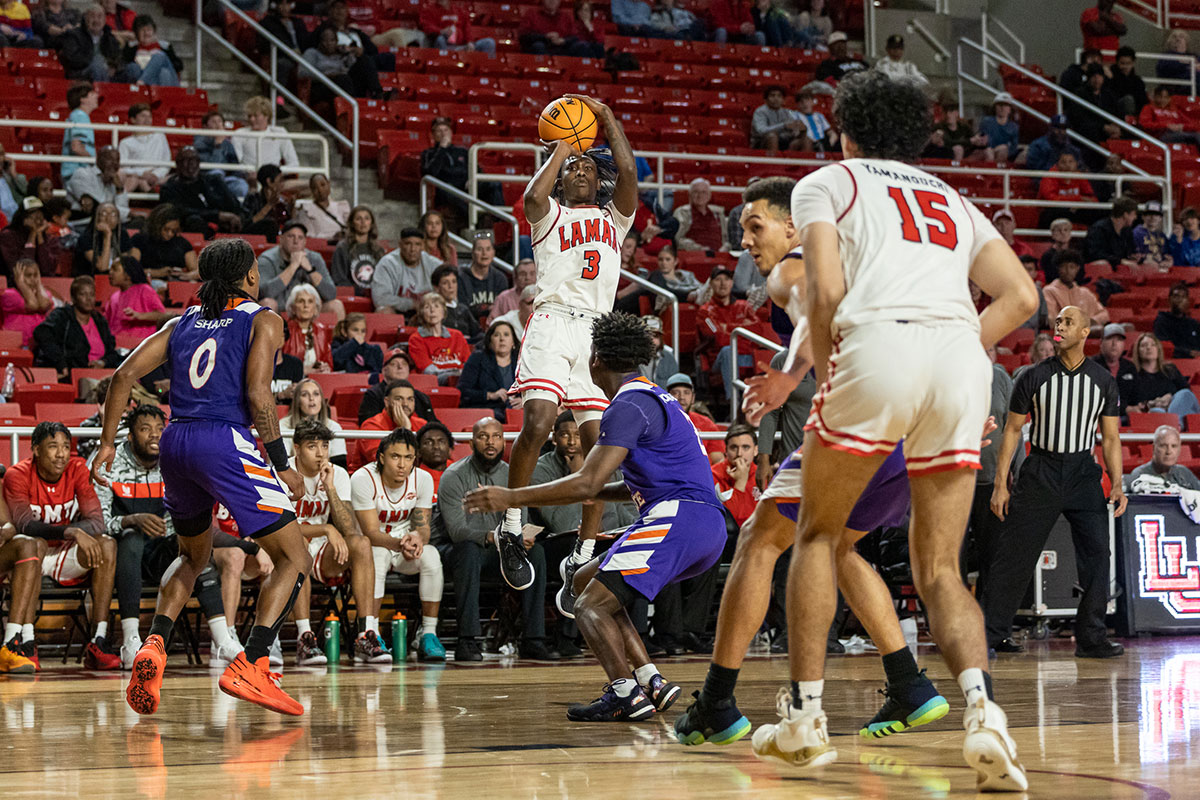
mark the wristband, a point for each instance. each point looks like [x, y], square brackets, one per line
[278, 454]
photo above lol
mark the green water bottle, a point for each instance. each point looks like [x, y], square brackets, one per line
[399, 638]
[331, 639]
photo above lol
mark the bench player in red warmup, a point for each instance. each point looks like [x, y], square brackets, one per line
[221, 355]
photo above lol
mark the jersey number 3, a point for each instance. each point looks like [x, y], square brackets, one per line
[938, 224]
[592, 268]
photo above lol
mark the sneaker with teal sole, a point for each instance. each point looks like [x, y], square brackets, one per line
[720, 723]
[905, 707]
[429, 648]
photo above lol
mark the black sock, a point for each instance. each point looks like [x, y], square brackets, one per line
[900, 667]
[719, 684]
[259, 643]
[162, 625]
[987, 686]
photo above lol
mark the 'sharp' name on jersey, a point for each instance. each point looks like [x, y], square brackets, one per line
[588, 231]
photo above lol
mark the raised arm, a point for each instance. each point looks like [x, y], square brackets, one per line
[625, 195]
[537, 193]
[587, 484]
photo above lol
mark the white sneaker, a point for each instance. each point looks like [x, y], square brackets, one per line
[129, 649]
[990, 751]
[799, 739]
[275, 654]
[224, 654]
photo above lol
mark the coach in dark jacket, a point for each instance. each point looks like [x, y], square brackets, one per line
[61, 340]
[489, 372]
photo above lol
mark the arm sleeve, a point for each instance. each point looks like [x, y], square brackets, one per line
[1021, 401]
[1112, 400]
[823, 196]
[362, 491]
[112, 524]
[223, 539]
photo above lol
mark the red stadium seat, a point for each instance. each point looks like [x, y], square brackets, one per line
[1148, 422]
[28, 395]
[330, 382]
[347, 400]
[462, 419]
[69, 414]
[79, 373]
[444, 397]
[423, 383]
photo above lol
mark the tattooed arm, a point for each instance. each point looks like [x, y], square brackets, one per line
[265, 340]
[339, 510]
[419, 519]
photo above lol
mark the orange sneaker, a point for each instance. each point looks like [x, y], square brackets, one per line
[257, 684]
[146, 680]
[11, 660]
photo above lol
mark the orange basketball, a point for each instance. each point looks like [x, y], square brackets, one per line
[567, 118]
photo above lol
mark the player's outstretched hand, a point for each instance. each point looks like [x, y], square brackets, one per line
[485, 499]
[989, 427]
[602, 112]
[102, 464]
[766, 392]
[294, 483]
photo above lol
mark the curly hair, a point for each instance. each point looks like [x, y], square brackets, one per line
[885, 118]
[622, 341]
[398, 436]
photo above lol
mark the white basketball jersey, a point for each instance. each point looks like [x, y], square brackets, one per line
[578, 255]
[393, 505]
[907, 240]
[313, 508]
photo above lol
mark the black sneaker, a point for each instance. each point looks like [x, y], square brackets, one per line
[565, 598]
[653, 648]
[514, 561]
[1103, 649]
[834, 648]
[536, 650]
[695, 644]
[662, 692]
[671, 646]
[568, 649]
[719, 723]
[1007, 646]
[611, 707]
[779, 644]
[467, 649]
[917, 703]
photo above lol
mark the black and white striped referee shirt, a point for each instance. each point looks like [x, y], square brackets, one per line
[1065, 404]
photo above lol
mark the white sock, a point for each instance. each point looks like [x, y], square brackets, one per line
[27, 632]
[371, 624]
[644, 674]
[512, 521]
[807, 696]
[429, 625]
[218, 628]
[101, 630]
[583, 551]
[303, 626]
[129, 628]
[972, 684]
[623, 686]
[11, 629]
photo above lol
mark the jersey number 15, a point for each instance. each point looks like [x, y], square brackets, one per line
[939, 227]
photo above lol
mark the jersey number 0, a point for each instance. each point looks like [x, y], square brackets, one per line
[938, 224]
[197, 376]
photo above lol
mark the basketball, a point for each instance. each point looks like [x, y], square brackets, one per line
[567, 118]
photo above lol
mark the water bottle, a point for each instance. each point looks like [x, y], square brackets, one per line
[331, 639]
[399, 638]
[10, 381]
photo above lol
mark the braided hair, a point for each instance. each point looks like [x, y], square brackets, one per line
[224, 264]
[606, 175]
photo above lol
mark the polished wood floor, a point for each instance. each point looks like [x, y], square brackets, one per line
[1126, 728]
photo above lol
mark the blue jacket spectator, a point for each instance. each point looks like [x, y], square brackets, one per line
[219, 149]
[1185, 249]
[632, 17]
[1043, 152]
[1002, 132]
[82, 99]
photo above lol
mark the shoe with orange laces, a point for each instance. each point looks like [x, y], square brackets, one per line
[11, 660]
[256, 683]
[146, 680]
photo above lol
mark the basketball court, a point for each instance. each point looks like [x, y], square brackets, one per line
[1119, 729]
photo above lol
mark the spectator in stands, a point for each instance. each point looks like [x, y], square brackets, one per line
[715, 321]
[435, 348]
[1126, 85]
[218, 149]
[458, 315]
[91, 51]
[203, 199]
[701, 225]
[76, 335]
[25, 304]
[356, 75]
[669, 21]
[735, 475]
[813, 26]
[52, 19]
[1178, 44]
[772, 22]
[437, 238]
[308, 338]
[40, 187]
[1006, 225]
[731, 20]
[1087, 122]
[92, 184]
[1102, 27]
[403, 275]
[358, 253]
[1043, 152]
[1111, 239]
[163, 251]
[397, 366]
[550, 29]
[13, 186]
[1177, 325]
[290, 30]
[448, 28]
[839, 64]
[310, 403]
[1185, 240]
[26, 237]
[1060, 239]
[1162, 120]
[434, 443]
[134, 308]
[101, 243]
[290, 264]
[465, 541]
[680, 282]
[150, 61]
[351, 350]
[481, 282]
[519, 316]
[1063, 190]
[447, 162]
[774, 127]
[358, 43]
[1150, 245]
[399, 411]
[1112, 358]
[490, 370]
[120, 18]
[524, 275]
[1164, 464]
[253, 151]
[895, 67]
[143, 147]
[632, 18]
[821, 135]
[1003, 135]
[593, 30]
[324, 217]
[1063, 291]
[664, 364]
[16, 25]
[267, 210]
[82, 99]
[683, 390]
[1158, 385]
[960, 137]
[58, 216]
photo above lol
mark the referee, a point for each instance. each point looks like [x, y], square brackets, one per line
[1065, 395]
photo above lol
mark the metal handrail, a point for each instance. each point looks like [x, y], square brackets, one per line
[1148, 56]
[738, 383]
[1059, 92]
[472, 202]
[277, 88]
[941, 51]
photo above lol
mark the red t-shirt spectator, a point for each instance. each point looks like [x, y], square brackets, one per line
[1067, 189]
[45, 510]
[1111, 39]
[539, 22]
[706, 424]
[121, 19]
[381, 422]
[1153, 119]
[729, 14]
[435, 18]
[448, 351]
[740, 504]
[716, 321]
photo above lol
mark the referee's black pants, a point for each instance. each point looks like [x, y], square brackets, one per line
[1051, 484]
